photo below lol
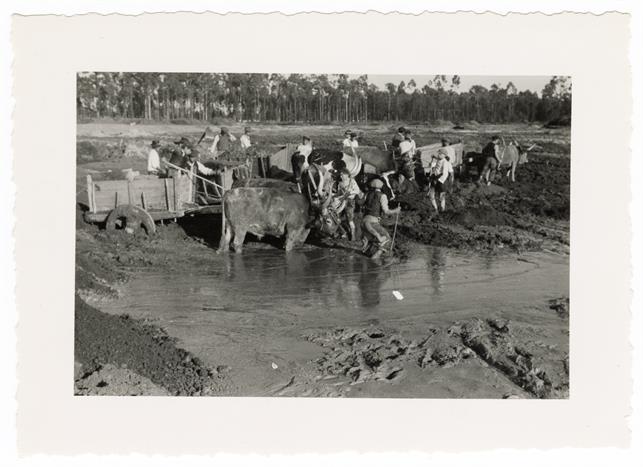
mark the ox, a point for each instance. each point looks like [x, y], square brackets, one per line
[264, 211]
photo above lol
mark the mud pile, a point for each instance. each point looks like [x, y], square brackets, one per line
[115, 353]
[521, 215]
[147, 350]
[367, 354]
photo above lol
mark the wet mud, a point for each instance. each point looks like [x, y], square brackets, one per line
[483, 314]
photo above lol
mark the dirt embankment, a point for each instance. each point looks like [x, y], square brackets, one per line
[118, 355]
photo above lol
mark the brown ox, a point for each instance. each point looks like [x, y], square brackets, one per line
[264, 211]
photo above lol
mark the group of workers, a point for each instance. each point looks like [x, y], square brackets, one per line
[344, 192]
[186, 155]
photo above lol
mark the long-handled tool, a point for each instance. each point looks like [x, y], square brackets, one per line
[397, 217]
[396, 293]
[193, 174]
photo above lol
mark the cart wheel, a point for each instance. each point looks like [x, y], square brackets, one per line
[129, 217]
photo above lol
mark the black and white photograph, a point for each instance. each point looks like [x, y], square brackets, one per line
[322, 235]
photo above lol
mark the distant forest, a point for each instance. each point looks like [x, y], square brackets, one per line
[311, 98]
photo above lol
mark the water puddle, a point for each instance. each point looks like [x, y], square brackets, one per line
[249, 311]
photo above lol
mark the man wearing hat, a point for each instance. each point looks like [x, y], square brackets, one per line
[153, 159]
[245, 138]
[397, 139]
[375, 206]
[180, 155]
[442, 176]
[347, 143]
[493, 158]
[222, 142]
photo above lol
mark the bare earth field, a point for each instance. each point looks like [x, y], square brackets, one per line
[484, 312]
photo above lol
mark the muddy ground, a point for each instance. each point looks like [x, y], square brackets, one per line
[119, 354]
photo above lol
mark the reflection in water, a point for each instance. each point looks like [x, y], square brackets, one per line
[369, 284]
[321, 278]
[436, 265]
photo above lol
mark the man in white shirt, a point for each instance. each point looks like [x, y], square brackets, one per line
[244, 140]
[406, 150]
[153, 160]
[347, 139]
[299, 159]
[442, 176]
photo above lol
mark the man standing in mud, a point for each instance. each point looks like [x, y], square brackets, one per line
[375, 206]
[492, 160]
[299, 159]
[222, 142]
[397, 139]
[153, 160]
[406, 151]
[347, 190]
[442, 176]
[244, 140]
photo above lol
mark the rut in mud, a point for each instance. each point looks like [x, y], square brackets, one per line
[366, 354]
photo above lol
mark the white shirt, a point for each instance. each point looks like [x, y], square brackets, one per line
[153, 161]
[406, 146]
[202, 169]
[350, 143]
[245, 141]
[445, 168]
[305, 149]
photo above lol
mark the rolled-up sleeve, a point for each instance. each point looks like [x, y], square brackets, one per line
[203, 170]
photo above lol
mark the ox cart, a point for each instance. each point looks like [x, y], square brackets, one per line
[137, 203]
[455, 151]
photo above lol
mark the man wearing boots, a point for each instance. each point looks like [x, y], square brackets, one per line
[375, 206]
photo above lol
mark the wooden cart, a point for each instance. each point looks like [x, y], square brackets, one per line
[144, 200]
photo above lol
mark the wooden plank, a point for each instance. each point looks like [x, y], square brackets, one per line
[129, 193]
[89, 193]
[167, 193]
[176, 194]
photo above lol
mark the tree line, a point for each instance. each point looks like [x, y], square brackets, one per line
[317, 98]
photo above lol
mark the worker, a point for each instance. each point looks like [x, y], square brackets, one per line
[346, 190]
[397, 139]
[299, 159]
[406, 150]
[179, 155]
[376, 205]
[347, 140]
[222, 142]
[244, 140]
[442, 174]
[153, 159]
[492, 160]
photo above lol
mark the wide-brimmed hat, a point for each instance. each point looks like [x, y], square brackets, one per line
[306, 137]
[443, 151]
[376, 183]
[184, 141]
[155, 144]
[224, 130]
[347, 132]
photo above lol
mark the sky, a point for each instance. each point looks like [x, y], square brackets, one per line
[522, 83]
